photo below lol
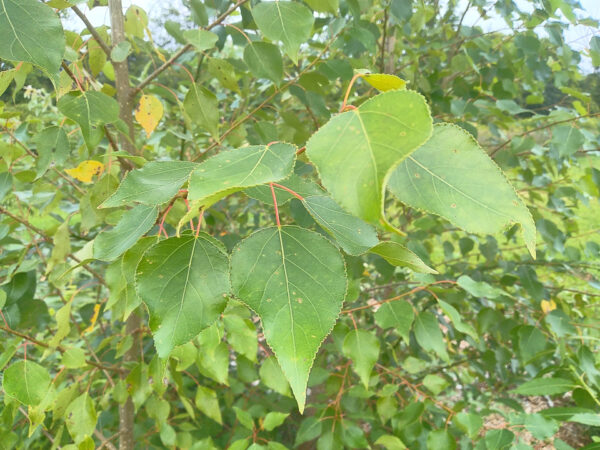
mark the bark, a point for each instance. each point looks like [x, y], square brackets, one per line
[124, 97]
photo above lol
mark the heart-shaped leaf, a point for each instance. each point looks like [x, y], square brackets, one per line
[356, 151]
[295, 280]
[184, 282]
[453, 177]
[26, 381]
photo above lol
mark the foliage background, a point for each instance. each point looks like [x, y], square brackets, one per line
[523, 96]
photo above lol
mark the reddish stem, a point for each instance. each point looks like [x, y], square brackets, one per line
[200, 221]
[188, 208]
[295, 194]
[275, 204]
[301, 150]
[3, 318]
[161, 227]
[352, 81]
[271, 143]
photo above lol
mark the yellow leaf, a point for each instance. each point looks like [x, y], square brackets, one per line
[548, 306]
[384, 82]
[149, 112]
[86, 170]
[94, 319]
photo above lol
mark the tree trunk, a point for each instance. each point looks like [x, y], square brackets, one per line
[127, 410]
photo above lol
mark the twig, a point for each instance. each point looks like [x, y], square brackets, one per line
[182, 50]
[92, 30]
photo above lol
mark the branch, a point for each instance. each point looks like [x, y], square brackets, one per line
[59, 348]
[47, 238]
[182, 50]
[543, 127]
[92, 31]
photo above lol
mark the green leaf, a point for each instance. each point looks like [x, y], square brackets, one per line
[451, 176]
[573, 414]
[73, 358]
[274, 419]
[81, 418]
[390, 442]
[120, 52]
[272, 376]
[6, 184]
[398, 315]
[52, 147]
[456, 319]
[545, 386]
[184, 282]
[136, 21]
[244, 418]
[6, 77]
[201, 106]
[499, 439]
[469, 423]
[201, 39]
[89, 109]
[331, 6]
[353, 234]
[429, 336]
[398, 255]
[207, 402]
[154, 184]
[26, 381]
[241, 335]
[288, 22]
[233, 170]
[224, 72]
[136, 222]
[440, 440]
[567, 140]
[362, 348]
[32, 32]
[264, 61]
[295, 280]
[356, 151]
[479, 289]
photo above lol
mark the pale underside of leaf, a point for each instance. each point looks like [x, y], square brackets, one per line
[453, 177]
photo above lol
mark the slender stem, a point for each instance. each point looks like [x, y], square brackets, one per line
[352, 81]
[200, 221]
[295, 194]
[275, 205]
[92, 30]
[240, 31]
[184, 49]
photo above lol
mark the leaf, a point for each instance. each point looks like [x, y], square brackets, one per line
[184, 282]
[274, 419]
[89, 109]
[567, 140]
[120, 52]
[31, 32]
[352, 234]
[456, 319]
[398, 255]
[148, 113]
[362, 348]
[208, 403]
[244, 418]
[451, 176]
[331, 6]
[136, 21]
[573, 414]
[81, 418]
[469, 423]
[136, 222]
[390, 442]
[233, 170]
[429, 335]
[264, 61]
[201, 39]
[52, 146]
[26, 381]
[201, 107]
[271, 375]
[548, 306]
[224, 72]
[288, 22]
[6, 184]
[154, 184]
[241, 335]
[356, 151]
[398, 315]
[6, 77]
[479, 288]
[545, 386]
[86, 170]
[384, 82]
[295, 280]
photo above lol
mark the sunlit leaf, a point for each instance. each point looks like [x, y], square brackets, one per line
[149, 112]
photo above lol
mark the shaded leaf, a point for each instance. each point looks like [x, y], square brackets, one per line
[200, 105]
[398, 315]
[398, 255]
[362, 348]
[429, 336]
[201, 39]
[545, 386]
[264, 61]
[52, 146]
